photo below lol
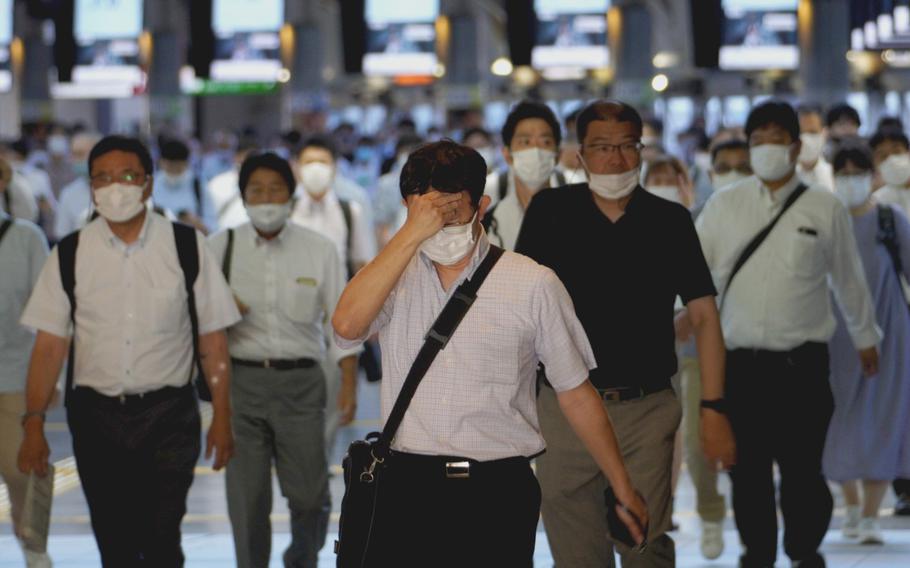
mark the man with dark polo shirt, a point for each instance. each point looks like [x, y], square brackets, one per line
[624, 255]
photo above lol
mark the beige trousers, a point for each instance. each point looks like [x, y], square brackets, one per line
[574, 513]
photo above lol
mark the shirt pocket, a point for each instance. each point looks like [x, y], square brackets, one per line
[164, 308]
[304, 304]
[805, 254]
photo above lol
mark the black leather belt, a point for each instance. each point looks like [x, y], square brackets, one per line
[277, 364]
[623, 394]
[451, 467]
[143, 400]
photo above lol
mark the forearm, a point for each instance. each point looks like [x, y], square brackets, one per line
[348, 371]
[46, 362]
[586, 414]
[712, 355]
[366, 293]
[213, 352]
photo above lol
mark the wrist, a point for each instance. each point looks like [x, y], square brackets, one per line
[32, 417]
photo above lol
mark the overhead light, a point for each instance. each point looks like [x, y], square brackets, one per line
[665, 59]
[525, 76]
[284, 75]
[440, 70]
[660, 82]
[502, 67]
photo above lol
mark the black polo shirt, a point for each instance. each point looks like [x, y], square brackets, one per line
[623, 277]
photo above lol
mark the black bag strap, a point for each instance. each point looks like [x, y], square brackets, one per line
[4, 227]
[66, 259]
[503, 184]
[8, 199]
[887, 236]
[349, 225]
[758, 239]
[197, 193]
[560, 178]
[435, 341]
[188, 255]
[228, 255]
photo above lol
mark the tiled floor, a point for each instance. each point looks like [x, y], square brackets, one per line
[207, 541]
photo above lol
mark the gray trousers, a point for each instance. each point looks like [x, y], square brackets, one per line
[572, 484]
[278, 418]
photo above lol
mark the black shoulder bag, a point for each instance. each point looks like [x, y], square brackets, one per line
[367, 459]
[757, 240]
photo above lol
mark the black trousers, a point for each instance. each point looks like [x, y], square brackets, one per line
[780, 406]
[901, 487]
[425, 519]
[135, 460]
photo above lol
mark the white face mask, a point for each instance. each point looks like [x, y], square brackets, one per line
[119, 202]
[489, 156]
[668, 192]
[451, 244]
[534, 166]
[895, 169]
[613, 186]
[269, 217]
[812, 147]
[853, 191]
[57, 145]
[771, 162]
[316, 177]
[723, 180]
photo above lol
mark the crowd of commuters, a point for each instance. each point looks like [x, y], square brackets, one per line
[738, 306]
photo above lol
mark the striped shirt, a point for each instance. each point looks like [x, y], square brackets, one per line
[478, 398]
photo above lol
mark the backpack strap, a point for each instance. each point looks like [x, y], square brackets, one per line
[887, 236]
[66, 258]
[560, 178]
[188, 255]
[4, 227]
[228, 255]
[503, 184]
[197, 193]
[490, 225]
[349, 224]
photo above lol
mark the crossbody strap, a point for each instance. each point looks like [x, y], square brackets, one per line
[887, 236]
[188, 256]
[435, 340]
[228, 256]
[4, 227]
[758, 239]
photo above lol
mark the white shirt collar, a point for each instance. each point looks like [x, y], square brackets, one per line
[779, 196]
[114, 241]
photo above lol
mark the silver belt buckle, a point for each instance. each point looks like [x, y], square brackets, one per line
[458, 470]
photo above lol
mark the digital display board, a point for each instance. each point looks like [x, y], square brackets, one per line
[571, 34]
[6, 38]
[401, 38]
[759, 35]
[107, 50]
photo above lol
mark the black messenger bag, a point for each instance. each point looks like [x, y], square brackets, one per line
[367, 459]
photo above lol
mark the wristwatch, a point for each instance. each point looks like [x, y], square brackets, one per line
[31, 413]
[717, 405]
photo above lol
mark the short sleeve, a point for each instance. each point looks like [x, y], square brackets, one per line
[214, 299]
[48, 308]
[561, 343]
[695, 279]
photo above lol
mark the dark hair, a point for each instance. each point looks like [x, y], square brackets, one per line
[606, 110]
[810, 108]
[888, 135]
[319, 141]
[840, 111]
[468, 132]
[530, 109]
[268, 161]
[735, 144]
[890, 123]
[448, 167]
[126, 144]
[656, 124]
[175, 150]
[407, 141]
[775, 112]
[853, 150]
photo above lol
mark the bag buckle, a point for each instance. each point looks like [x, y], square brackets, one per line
[368, 476]
[458, 470]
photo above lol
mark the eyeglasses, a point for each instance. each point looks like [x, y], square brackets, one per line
[127, 177]
[257, 192]
[627, 149]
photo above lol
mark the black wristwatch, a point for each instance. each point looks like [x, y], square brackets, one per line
[717, 405]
